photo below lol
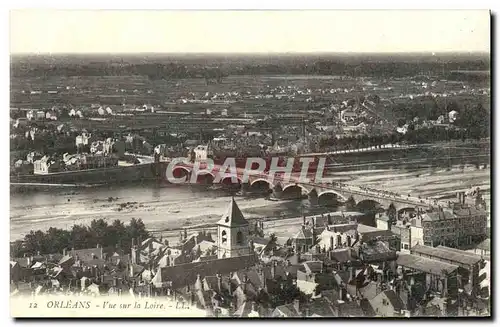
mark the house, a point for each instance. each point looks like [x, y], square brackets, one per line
[303, 240]
[307, 276]
[348, 116]
[291, 310]
[46, 165]
[469, 264]
[440, 277]
[387, 304]
[484, 248]
[320, 307]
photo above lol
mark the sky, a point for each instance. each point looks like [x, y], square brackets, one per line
[154, 31]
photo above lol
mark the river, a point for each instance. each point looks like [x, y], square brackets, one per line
[176, 206]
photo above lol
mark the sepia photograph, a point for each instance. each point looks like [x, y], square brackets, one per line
[250, 164]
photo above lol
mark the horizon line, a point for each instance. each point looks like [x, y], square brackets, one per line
[252, 53]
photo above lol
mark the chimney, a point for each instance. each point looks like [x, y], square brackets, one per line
[273, 270]
[64, 252]
[409, 237]
[219, 283]
[254, 306]
[245, 281]
[342, 293]
[230, 285]
[192, 299]
[352, 270]
[98, 246]
[296, 305]
[445, 308]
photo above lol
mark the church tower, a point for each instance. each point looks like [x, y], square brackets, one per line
[232, 233]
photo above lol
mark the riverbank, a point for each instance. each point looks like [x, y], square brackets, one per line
[179, 206]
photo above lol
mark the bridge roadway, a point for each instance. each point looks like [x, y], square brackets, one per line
[279, 183]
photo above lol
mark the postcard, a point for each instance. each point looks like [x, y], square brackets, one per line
[250, 164]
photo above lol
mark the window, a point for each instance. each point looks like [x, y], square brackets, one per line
[239, 238]
[406, 246]
[224, 237]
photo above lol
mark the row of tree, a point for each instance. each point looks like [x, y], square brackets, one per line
[413, 136]
[99, 232]
[393, 68]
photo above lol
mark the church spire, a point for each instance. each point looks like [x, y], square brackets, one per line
[233, 216]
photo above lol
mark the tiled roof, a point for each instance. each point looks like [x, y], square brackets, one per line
[369, 291]
[394, 299]
[343, 255]
[303, 234]
[445, 253]
[313, 266]
[485, 245]
[288, 310]
[438, 215]
[377, 250]
[430, 266]
[180, 275]
[321, 307]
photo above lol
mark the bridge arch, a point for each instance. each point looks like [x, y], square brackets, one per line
[302, 187]
[179, 171]
[369, 205]
[333, 192]
[205, 177]
[294, 191]
[261, 180]
[228, 180]
[261, 185]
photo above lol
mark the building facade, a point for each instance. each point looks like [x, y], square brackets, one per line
[232, 233]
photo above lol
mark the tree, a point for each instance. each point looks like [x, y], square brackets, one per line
[99, 232]
[391, 213]
[17, 249]
[117, 234]
[57, 239]
[136, 229]
[80, 237]
[35, 242]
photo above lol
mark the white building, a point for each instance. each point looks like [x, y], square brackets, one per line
[232, 233]
[348, 116]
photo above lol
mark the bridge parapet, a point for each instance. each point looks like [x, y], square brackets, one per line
[279, 183]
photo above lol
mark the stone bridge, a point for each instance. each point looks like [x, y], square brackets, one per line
[318, 190]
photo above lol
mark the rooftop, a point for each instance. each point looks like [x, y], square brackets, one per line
[429, 266]
[485, 245]
[233, 216]
[445, 253]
